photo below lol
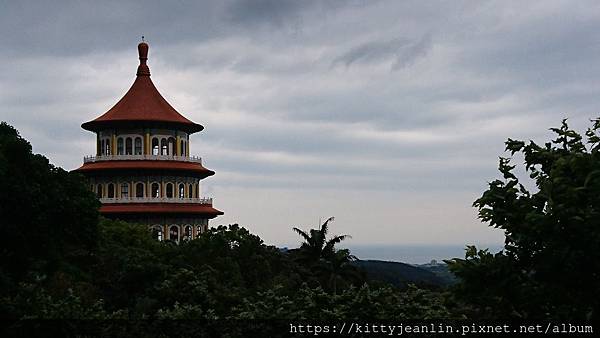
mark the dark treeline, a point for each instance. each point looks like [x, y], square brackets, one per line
[61, 260]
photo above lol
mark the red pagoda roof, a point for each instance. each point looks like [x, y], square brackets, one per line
[191, 167]
[160, 208]
[142, 103]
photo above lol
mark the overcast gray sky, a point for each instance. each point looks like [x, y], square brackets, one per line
[388, 115]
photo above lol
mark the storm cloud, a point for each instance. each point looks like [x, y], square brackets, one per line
[388, 115]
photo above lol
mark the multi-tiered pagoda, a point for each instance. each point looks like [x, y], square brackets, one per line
[143, 171]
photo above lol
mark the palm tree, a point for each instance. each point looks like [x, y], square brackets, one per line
[316, 245]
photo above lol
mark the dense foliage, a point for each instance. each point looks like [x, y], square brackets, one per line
[60, 260]
[48, 216]
[550, 266]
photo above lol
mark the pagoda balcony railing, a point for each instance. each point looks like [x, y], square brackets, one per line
[90, 159]
[202, 200]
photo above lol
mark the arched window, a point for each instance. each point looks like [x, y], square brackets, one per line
[174, 233]
[99, 191]
[138, 146]
[198, 230]
[120, 146]
[181, 190]
[164, 150]
[172, 144]
[187, 233]
[190, 190]
[155, 190]
[111, 190]
[197, 191]
[169, 189]
[157, 232]
[124, 190]
[107, 147]
[155, 147]
[139, 190]
[128, 146]
[182, 144]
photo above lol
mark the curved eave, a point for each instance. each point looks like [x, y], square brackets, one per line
[188, 167]
[142, 104]
[96, 125]
[205, 210]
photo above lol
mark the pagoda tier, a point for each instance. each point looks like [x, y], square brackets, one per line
[200, 207]
[157, 166]
[142, 171]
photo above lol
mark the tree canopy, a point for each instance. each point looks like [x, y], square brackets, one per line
[550, 264]
[48, 215]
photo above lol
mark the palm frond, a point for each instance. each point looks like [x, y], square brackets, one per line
[325, 226]
[330, 245]
[303, 234]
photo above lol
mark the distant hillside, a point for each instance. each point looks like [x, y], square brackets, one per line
[441, 270]
[399, 274]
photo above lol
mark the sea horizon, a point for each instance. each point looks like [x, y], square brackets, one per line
[415, 253]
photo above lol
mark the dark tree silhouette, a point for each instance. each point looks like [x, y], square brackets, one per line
[48, 216]
[316, 245]
[549, 266]
[338, 267]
